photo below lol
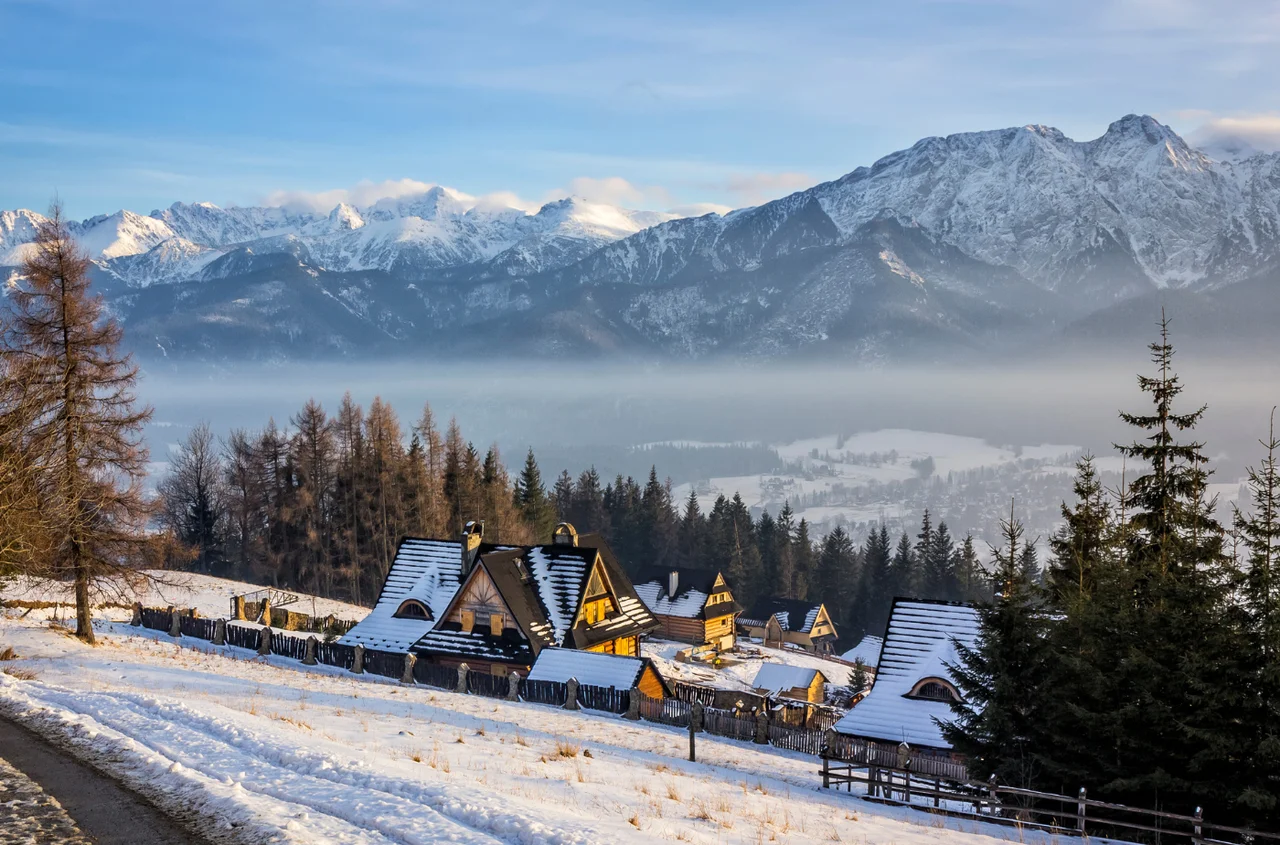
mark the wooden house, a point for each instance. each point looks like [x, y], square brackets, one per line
[513, 602]
[913, 687]
[691, 605]
[422, 581]
[777, 680]
[782, 622]
[600, 670]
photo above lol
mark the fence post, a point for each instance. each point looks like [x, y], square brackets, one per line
[463, 669]
[633, 705]
[409, 659]
[237, 609]
[513, 686]
[357, 661]
[220, 632]
[1080, 810]
[136, 621]
[826, 770]
[264, 641]
[995, 799]
[762, 727]
[175, 629]
[309, 657]
[695, 725]
[1195, 837]
[571, 694]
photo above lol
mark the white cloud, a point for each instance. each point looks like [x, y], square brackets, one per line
[698, 209]
[614, 190]
[1237, 134]
[364, 193]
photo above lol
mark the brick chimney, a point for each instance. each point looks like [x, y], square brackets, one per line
[472, 535]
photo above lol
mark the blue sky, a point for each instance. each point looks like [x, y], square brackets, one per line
[656, 105]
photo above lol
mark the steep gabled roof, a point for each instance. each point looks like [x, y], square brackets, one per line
[867, 650]
[792, 614]
[693, 588]
[425, 570]
[919, 643]
[543, 588]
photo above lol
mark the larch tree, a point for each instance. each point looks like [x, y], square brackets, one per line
[86, 422]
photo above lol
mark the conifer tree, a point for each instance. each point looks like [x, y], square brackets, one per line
[84, 424]
[588, 512]
[531, 498]
[1077, 547]
[998, 721]
[692, 548]
[875, 586]
[835, 578]
[903, 570]
[1259, 791]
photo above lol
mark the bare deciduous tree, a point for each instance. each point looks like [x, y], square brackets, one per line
[85, 424]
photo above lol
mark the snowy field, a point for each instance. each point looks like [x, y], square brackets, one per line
[270, 752]
[209, 595]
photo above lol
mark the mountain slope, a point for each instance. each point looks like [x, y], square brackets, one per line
[969, 244]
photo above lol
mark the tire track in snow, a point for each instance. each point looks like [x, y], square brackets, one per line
[397, 809]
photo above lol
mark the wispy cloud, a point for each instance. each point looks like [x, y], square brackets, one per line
[1238, 133]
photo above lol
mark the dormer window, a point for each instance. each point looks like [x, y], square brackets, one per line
[413, 609]
[935, 689]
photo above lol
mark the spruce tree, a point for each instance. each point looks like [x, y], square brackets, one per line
[1258, 794]
[531, 498]
[903, 579]
[1077, 547]
[998, 723]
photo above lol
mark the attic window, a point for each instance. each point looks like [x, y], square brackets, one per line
[934, 689]
[412, 609]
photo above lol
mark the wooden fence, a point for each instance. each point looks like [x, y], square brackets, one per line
[991, 801]
[608, 699]
[285, 645]
[243, 636]
[435, 675]
[483, 683]
[544, 692]
[336, 654]
[667, 711]
[388, 664]
[796, 739]
[194, 626]
[725, 723]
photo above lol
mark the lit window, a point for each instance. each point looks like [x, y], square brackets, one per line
[468, 621]
[496, 623]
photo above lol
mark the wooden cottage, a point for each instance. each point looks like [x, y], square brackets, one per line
[600, 670]
[782, 622]
[691, 605]
[777, 680]
[913, 687]
[513, 602]
[422, 581]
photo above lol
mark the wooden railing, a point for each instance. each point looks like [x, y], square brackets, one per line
[991, 801]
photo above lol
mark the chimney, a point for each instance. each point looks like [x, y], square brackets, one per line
[673, 582]
[472, 534]
[565, 535]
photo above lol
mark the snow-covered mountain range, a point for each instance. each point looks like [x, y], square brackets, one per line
[967, 241]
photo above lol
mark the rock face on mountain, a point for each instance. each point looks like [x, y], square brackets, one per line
[976, 241]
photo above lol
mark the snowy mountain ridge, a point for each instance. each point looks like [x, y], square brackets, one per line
[438, 228]
[976, 242]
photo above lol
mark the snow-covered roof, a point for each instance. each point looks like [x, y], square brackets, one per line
[693, 588]
[426, 570]
[592, 668]
[919, 644]
[559, 575]
[778, 677]
[867, 650]
[792, 615]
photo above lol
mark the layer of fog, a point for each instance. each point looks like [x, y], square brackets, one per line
[585, 414]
